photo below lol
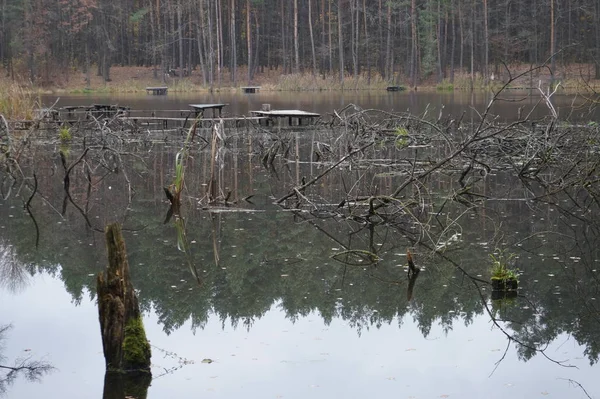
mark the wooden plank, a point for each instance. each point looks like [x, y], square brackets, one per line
[290, 114]
[160, 118]
[282, 113]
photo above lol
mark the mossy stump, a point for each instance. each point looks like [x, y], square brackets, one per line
[505, 284]
[126, 348]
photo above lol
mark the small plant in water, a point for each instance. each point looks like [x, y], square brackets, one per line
[64, 134]
[401, 137]
[503, 277]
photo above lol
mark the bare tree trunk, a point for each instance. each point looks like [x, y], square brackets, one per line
[330, 41]
[190, 42]
[507, 30]
[341, 43]
[123, 338]
[256, 61]
[367, 55]
[414, 64]
[312, 39]
[486, 41]
[597, 60]
[219, 21]
[473, 45]
[153, 38]
[388, 46]
[283, 41]
[180, 37]
[3, 40]
[210, 58]
[200, 39]
[233, 44]
[438, 30]
[173, 46]
[296, 53]
[249, 40]
[355, 36]
[462, 36]
[162, 34]
[552, 37]
[453, 45]
[323, 37]
[381, 59]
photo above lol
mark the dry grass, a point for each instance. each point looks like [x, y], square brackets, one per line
[17, 102]
[136, 79]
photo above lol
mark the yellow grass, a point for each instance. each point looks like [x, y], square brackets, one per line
[136, 79]
[17, 102]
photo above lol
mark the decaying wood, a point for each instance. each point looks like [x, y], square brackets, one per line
[411, 265]
[119, 310]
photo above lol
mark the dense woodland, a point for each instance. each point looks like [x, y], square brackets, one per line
[415, 40]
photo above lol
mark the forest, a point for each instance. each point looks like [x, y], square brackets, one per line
[403, 41]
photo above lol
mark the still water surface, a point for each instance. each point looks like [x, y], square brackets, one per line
[452, 104]
[278, 315]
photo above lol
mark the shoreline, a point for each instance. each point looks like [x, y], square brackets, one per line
[134, 80]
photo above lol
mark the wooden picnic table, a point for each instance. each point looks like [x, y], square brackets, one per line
[291, 114]
[250, 89]
[200, 108]
[97, 110]
[159, 90]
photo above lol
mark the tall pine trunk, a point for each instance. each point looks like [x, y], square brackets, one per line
[233, 45]
[341, 44]
[296, 51]
[249, 41]
[312, 39]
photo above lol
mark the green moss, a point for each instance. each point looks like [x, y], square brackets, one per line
[136, 349]
[64, 134]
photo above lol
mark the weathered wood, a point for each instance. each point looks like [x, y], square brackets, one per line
[413, 273]
[250, 89]
[158, 91]
[204, 123]
[123, 337]
[126, 385]
[200, 108]
[289, 114]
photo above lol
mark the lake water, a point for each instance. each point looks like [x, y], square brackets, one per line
[453, 103]
[272, 297]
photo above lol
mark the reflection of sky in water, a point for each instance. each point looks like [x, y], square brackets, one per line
[278, 358]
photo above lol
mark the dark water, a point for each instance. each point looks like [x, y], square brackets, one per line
[449, 104]
[275, 309]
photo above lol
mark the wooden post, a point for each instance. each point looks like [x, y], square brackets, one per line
[126, 348]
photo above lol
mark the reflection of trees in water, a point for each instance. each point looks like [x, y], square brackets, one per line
[250, 261]
[13, 275]
[30, 369]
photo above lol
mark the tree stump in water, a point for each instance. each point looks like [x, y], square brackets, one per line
[123, 337]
